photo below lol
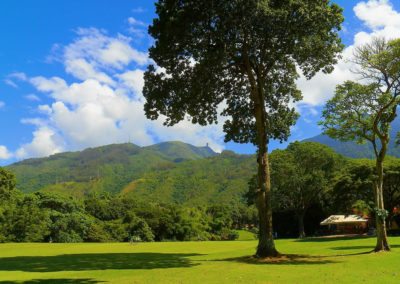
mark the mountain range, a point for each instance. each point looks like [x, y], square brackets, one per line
[354, 150]
[165, 172]
[114, 165]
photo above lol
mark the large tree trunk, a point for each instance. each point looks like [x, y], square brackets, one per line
[300, 222]
[381, 236]
[266, 244]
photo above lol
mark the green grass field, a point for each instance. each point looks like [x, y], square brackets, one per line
[308, 261]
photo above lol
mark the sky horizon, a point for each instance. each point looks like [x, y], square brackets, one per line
[72, 73]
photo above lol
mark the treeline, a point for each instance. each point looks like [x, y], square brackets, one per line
[49, 217]
[309, 183]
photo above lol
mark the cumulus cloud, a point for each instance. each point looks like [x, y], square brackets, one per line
[103, 104]
[377, 14]
[381, 20]
[133, 80]
[45, 142]
[4, 153]
[102, 51]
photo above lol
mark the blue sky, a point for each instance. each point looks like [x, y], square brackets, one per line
[71, 75]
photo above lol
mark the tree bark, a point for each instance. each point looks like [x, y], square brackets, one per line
[382, 243]
[266, 244]
[300, 222]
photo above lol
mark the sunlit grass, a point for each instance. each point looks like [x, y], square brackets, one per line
[308, 261]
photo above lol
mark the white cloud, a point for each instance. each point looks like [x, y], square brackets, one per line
[382, 20]
[104, 103]
[32, 97]
[45, 109]
[45, 142]
[10, 79]
[133, 80]
[83, 70]
[19, 76]
[119, 54]
[134, 22]
[377, 14]
[2, 104]
[102, 52]
[34, 121]
[4, 153]
[138, 29]
[10, 83]
[48, 84]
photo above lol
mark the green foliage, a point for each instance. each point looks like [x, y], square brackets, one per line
[364, 112]
[242, 56]
[233, 50]
[7, 183]
[196, 200]
[360, 207]
[301, 174]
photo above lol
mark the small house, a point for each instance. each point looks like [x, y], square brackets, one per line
[345, 224]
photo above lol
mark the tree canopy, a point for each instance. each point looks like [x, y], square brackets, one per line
[364, 110]
[301, 175]
[239, 59]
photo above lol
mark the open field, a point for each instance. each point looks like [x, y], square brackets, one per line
[309, 261]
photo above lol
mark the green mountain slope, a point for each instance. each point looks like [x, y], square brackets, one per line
[215, 180]
[108, 168]
[354, 150]
[179, 151]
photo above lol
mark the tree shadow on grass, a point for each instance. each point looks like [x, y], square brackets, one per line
[360, 247]
[287, 259]
[54, 281]
[292, 259]
[331, 239]
[95, 261]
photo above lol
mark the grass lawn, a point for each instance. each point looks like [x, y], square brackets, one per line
[311, 261]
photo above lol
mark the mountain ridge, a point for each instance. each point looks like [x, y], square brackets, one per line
[353, 150]
[114, 165]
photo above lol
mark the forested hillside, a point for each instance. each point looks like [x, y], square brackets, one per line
[108, 168]
[171, 172]
[215, 180]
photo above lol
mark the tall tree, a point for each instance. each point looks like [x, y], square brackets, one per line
[364, 112]
[242, 55]
[301, 175]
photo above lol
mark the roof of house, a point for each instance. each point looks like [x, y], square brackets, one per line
[341, 219]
